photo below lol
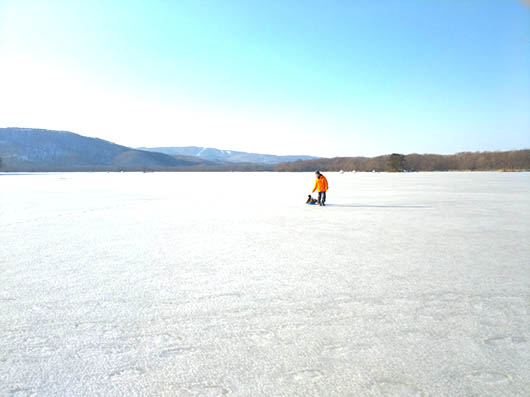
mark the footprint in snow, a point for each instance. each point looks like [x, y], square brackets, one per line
[490, 377]
[126, 373]
[504, 340]
[21, 392]
[176, 351]
[306, 375]
[390, 387]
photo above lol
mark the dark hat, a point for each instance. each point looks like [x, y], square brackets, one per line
[317, 172]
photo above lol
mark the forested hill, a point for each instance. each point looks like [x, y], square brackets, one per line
[27, 149]
[514, 160]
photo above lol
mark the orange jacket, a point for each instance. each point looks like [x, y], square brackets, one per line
[321, 184]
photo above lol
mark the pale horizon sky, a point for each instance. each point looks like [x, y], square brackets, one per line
[328, 79]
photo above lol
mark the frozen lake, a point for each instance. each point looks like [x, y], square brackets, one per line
[217, 284]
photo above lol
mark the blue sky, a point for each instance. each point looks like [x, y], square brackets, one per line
[334, 78]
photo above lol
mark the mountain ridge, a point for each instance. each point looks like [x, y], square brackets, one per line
[39, 149]
[34, 149]
[227, 156]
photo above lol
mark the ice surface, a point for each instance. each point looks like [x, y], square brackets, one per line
[218, 284]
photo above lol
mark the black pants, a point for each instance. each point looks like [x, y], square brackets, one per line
[321, 198]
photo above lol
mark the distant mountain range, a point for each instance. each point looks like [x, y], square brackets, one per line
[226, 156]
[27, 149]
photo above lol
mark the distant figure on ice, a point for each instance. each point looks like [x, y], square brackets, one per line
[321, 185]
[311, 200]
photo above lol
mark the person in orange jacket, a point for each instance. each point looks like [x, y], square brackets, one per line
[321, 185]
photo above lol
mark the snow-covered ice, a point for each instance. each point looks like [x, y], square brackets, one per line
[227, 283]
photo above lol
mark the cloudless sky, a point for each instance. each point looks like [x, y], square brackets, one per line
[325, 78]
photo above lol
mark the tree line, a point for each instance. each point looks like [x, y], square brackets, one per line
[515, 160]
